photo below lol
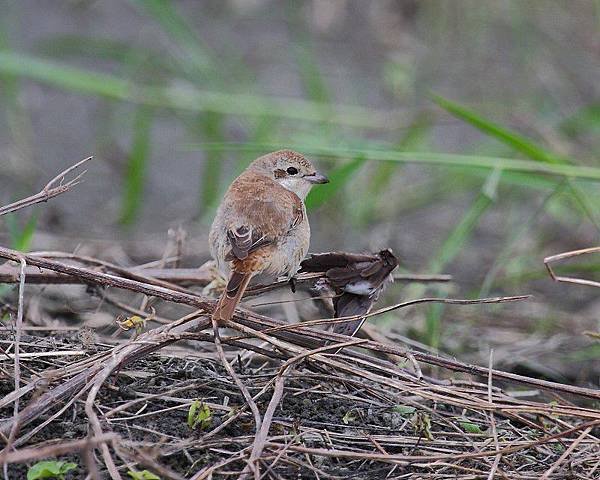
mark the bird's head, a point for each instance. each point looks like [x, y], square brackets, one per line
[291, 170]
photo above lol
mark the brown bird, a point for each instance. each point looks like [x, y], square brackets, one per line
[261, 225]
[357, 281]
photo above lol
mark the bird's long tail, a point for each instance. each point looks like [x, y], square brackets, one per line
[236, 286]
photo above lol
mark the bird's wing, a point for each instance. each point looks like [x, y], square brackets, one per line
[321, 262]
[363, 277]
[262, 211]
[245, 240]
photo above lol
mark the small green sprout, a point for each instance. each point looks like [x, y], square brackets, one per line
[143, 475]
[50, 469]
[404, 410]
[199, 415]
[470, 427]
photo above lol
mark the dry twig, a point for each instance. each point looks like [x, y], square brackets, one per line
[52, 189]
[45, 451]
[561, 256]
[17, 368]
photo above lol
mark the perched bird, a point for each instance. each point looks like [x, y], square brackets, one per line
[356, 279]
[261, 225]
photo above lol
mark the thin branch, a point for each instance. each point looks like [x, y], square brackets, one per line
[143, 285]
[17, 367]
[44, 451]
[562, 256]
[498, 457]
[52, 189]
[145, 344]
[201, 276]
[244, 391]
[93, 418]
[449, 301]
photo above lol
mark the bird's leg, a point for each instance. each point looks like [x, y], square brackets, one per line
[292, 283]
[217, 284]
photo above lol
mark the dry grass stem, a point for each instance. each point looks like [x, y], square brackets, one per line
[561, 256]
[52, 189]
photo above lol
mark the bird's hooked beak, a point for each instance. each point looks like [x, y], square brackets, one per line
[316, 178]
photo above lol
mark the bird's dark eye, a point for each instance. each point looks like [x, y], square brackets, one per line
[292, 170]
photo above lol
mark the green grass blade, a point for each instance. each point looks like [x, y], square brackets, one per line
[433, 325]
[137, 165]
[193, 57]
[452, 246]
[64, 46]
[21, 237]
[425, 158]
[520, 144]
[508, 137]
[384, 172]
[69, 78]
[338, 178]
[522, 180]
[188, 98]
[413, 138]
[460, 234]
[589, 208]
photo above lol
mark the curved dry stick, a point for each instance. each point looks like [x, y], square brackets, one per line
[261, 436]
[132, 273]
[91, 414]
[243, 390]
[571, 254]
[49, 191]
[120, 355]
[156, 336]
[44, 451]
[48, 399]
[350, 318]
[145, 344]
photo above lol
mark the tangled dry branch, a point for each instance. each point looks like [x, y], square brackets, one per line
[303, 351]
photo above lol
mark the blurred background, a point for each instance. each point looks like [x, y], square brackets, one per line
[463, 135]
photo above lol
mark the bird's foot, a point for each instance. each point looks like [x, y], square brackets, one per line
[217, 284]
